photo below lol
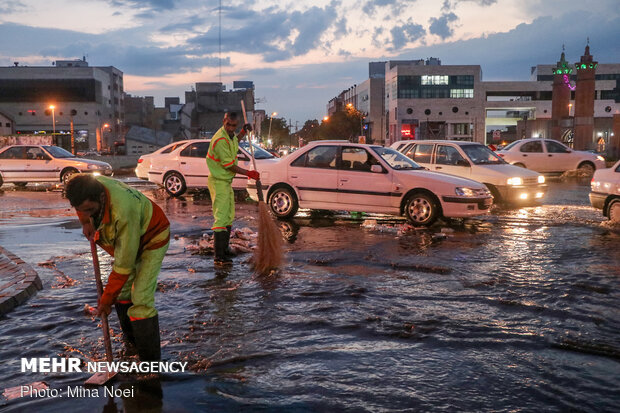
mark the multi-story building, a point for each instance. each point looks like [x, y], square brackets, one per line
[70, 95]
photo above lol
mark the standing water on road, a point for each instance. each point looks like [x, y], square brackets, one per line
[515, 311]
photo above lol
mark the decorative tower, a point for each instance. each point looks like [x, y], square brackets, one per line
[584, 101]
[560, 109]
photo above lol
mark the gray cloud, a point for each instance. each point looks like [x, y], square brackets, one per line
[158, 5]
[12, 6]
[396, 6]
[185, 25]
[441, 26]
[401, 35]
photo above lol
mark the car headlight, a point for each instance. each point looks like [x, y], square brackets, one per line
[462, 191]
[541, 179]
[90, 166]
[515, 181]
[600, 158]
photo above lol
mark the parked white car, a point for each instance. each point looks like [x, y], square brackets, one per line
[550, 156]
[20, 164]
[507, 183]
[605, 193]
[338, 175]
[185, 166]
[144, 162]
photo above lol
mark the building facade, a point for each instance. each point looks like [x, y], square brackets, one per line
[87, 100]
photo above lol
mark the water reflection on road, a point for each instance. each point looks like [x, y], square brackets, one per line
[516, 310]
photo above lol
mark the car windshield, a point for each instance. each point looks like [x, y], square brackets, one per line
[58, 152]
[481, 155]
[259, 153]
[510, 145]
[395, 159]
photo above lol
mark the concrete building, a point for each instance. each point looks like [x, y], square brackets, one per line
[207, 103]
[139, 140]
[6, 125]
[85, 98]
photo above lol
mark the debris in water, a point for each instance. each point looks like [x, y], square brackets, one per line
[90, 310]
[19, 391]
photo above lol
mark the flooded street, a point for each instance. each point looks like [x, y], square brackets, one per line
[515, 311]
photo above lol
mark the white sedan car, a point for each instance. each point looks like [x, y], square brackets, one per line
[605, 193]
[550, 156]
[338, 175]
[20, 164]
[144, 162]
[509, 184]
[185, 165]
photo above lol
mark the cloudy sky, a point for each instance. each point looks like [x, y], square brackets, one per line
[300, 53]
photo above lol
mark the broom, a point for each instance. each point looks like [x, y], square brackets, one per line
[268, 253]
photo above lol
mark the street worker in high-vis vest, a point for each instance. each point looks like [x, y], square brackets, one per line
[222, 163]
[136, 232]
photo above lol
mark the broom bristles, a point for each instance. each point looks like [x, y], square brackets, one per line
[268, 253]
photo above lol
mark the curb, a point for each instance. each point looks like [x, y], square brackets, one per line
[18, 281]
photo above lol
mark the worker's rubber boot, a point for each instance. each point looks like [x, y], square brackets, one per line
[220, 243]
[125, 322]
[227, 252]
[146, 332]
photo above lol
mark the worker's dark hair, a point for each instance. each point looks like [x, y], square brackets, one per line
[231, 115]
[83, 187]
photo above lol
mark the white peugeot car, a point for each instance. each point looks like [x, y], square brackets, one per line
[185, 166]
[508, 183]
[605, 193]
[338, 175]
[21, 164]
[144, 162]
[550, 156]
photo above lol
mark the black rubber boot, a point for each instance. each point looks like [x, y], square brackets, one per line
[227, 252]
[146, 332]
[220, 243]
[125, 322]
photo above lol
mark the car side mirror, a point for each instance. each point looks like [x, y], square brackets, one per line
[462, 162]
[377, 169]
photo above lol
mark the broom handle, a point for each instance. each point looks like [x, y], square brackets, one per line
[104, 317]
[259, 187]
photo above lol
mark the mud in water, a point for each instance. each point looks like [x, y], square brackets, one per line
[517, 310]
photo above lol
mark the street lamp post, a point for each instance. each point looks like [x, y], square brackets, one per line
[270, 120]
[52, 107]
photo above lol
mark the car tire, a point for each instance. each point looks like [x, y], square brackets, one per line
[283, 203]
[421, 209]
[613, 210]
[66, 174]
[1, 180]
[20, 184]
[175, 184]
[519, 164]
[587, 168]
[497, 198]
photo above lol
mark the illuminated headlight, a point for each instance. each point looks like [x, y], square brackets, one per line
[96, 174]
[600, 158]
[523, 196]
[515, 181]
[461, 191]
[93, 166]
[541, 179]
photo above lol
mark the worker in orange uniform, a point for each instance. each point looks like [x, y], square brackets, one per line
[222, 163]
[136, 232]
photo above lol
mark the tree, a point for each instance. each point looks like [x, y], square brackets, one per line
[310, 131]
[280, 132]
[344, 124]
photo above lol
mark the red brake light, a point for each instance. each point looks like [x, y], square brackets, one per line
[140, 160]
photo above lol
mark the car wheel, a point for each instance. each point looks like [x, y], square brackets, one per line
[283, 203]
[587, 168]
[66, 174]
[174, 184]
[497, 198]
[519, 164]
[21, 184]
[421, 209]
[1, 181]
[613, 210]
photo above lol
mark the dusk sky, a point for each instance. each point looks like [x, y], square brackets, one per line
[300, 53]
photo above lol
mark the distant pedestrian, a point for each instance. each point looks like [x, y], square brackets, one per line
[222, 163]
[136, 232]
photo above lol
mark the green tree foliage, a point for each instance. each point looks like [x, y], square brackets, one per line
[280, 132]
[345, 124]
[310, 131]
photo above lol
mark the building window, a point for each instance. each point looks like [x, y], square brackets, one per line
[434, 80]
[461, 93]
[461, 128]
[464, 81]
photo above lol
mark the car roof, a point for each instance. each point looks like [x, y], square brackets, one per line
[342, 142]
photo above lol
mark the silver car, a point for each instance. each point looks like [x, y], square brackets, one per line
[20, 164]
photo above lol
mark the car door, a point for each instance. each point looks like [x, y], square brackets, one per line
[13, 164]
[193, 164]
[244, 161]
[532, 155]
[40, 166]
[314, 174]
[357, 185]
[449, 160]
[559, 157]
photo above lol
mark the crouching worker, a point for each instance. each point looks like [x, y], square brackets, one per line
[136, 232]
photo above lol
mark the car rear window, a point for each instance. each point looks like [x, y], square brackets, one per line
[533, 146]
[196, 150]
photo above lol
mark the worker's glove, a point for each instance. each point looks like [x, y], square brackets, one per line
[103, 309]
[247, 128]
[254, 175]
[112, 289]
